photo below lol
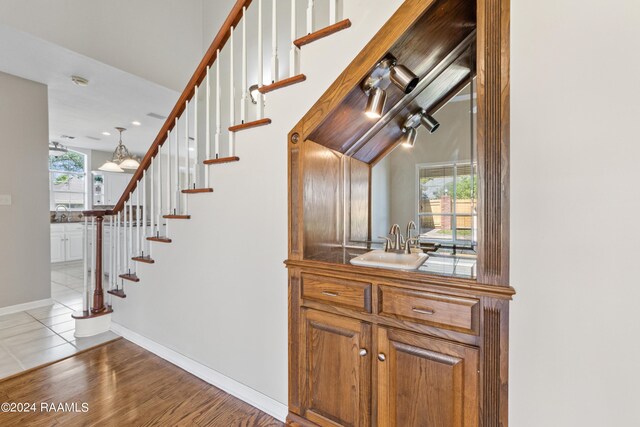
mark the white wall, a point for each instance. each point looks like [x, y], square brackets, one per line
[218, 293]
[24, 225]
[575, 204]
[159, 40]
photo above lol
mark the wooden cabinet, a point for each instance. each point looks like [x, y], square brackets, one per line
[423, 381]
[335, 354]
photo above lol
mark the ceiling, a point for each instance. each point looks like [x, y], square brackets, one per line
[112, 98]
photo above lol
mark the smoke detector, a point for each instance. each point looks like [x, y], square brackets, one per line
[80, 81]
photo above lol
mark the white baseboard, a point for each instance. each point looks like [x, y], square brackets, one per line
[254, 398]
[26, 306]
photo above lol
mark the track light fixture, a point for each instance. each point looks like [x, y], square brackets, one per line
[409, 137]
[411, 124]
[375, 103]
[386, 72]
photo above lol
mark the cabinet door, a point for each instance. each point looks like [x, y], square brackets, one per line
[115, 185]
[336, 360]
[425, 381]
[57, 247]
[73, 246]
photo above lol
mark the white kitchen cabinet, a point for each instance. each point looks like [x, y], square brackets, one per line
[73, 245]
[57, 246]
[66, 242]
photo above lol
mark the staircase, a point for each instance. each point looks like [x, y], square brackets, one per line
[199, 134]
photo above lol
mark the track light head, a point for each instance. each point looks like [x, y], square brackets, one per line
[429, 122]
[403, 78]
[375, 103]
[409, 137]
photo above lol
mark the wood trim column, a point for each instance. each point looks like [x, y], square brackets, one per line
[493, 141]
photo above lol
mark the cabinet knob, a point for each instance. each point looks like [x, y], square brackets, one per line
[363, 352]
[381, 357]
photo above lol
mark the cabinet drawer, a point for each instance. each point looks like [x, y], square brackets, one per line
[334, 291]
[446, 311]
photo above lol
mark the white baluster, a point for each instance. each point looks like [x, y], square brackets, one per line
[85, 276]
[168, 151]
[188, 157]
[310, 17]
[159, 211]
[274, 42]
[130, 249]
[245, 88]
[232, 98]
[112, 253]
[176, 136]
[218, 108]
[118, 250]
[125, 236]
[333, 11]
[143, 238]
[294, 54]
[260, 109]
[152, 201]
[138, 218]
[207, 126]
[196, 164]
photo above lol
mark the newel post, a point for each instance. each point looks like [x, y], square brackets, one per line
[98, 293]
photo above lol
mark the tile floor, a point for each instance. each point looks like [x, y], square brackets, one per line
[36, 337]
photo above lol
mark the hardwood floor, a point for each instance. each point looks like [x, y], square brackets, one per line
[124, 385]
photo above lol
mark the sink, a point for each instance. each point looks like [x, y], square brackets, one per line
[394, 260]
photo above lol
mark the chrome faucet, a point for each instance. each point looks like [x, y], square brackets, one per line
[397, 242]
[64, 216]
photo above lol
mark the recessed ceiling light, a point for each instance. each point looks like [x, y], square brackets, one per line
[136, 123]
[106, 133]
[80, 81]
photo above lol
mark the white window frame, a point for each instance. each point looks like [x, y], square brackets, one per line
[52, 205]
[454, 226]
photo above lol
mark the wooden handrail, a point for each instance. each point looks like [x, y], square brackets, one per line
[198, 76]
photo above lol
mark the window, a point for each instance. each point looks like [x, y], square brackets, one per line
[67, 180]
[447, 203]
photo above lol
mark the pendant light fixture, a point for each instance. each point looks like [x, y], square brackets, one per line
[57, 149]
[122, 159]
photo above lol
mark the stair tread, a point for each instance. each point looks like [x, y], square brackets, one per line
[282, 83]
[249, 125]
[221, 160]
[146, 259]
[160, 239]
[322, 33]
[130, 277]
[118, 293]
[197, 190]
[175, 216]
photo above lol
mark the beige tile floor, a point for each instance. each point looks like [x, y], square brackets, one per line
[35, 337]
